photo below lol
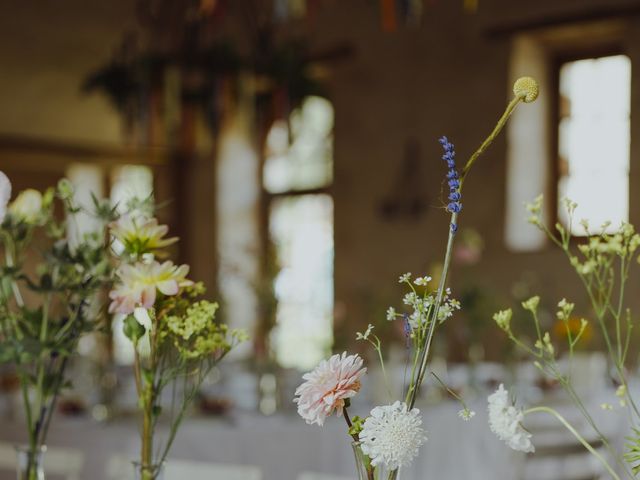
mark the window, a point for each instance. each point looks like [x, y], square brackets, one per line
[297, 173]
[88, 181]
[594, 140]
[577, 129]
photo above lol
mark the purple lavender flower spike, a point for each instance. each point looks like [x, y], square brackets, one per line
[453, 179]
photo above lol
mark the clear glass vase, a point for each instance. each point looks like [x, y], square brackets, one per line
[366, 471]
[29, 465]
[149, 472]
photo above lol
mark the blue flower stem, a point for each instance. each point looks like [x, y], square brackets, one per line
[425, 349]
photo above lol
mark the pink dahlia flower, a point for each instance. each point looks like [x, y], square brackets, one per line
[139, 284]
[327, 387]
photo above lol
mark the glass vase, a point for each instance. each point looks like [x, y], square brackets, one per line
[29, 463]
[366, 471]
[148, 472]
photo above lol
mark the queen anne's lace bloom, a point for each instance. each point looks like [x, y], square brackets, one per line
[392, 435]
[328, 386]
[505, 421]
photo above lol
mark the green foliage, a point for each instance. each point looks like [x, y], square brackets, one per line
[49, 291]
[632, 455]
[132, 329]
[356, 425]
[602, 263]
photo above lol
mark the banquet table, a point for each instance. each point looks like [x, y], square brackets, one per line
[283, 447]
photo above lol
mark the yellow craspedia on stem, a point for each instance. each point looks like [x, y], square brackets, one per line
[526, 88]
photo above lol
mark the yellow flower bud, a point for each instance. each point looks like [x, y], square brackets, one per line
[526, 88]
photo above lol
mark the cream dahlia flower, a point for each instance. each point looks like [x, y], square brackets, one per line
[505, 421]
[392, 435]
[5, 195]
[139, 284]
[328, 386]
[140, 234]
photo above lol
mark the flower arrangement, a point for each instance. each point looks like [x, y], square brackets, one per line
[175, 336]
[603, 264]
[49, 297]
[391, 435]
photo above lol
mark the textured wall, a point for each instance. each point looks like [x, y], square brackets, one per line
[411, 86]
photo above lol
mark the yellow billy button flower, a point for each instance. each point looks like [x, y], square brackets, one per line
[526, 88]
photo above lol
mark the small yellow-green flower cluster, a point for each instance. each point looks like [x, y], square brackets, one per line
[503, 319]
[195, 333]
[197, 318]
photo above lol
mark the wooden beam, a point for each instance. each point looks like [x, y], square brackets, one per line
[509, 27]
[37, 154]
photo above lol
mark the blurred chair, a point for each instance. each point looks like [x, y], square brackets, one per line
[120, 468]
[63, 463]
[320, 476]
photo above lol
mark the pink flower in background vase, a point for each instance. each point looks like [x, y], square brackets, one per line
[5, 195]
[140, 282]
[328, 386]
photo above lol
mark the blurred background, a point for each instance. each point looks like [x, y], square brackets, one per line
[292, 146]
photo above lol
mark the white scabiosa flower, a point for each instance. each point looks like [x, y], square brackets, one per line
[392, 435]
[505, 421]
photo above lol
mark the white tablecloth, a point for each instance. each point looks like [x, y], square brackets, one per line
[284, 446]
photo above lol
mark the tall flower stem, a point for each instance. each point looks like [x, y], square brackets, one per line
[579, 437]
[423, 358]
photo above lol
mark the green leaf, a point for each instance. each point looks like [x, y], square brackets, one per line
[156, 411]
[356, 425]
[632, 455]
[132, 329]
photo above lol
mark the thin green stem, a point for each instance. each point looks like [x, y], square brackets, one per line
[378, 348]
[426, 346]
[425, 350]
[492, 136]
[579, 437]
